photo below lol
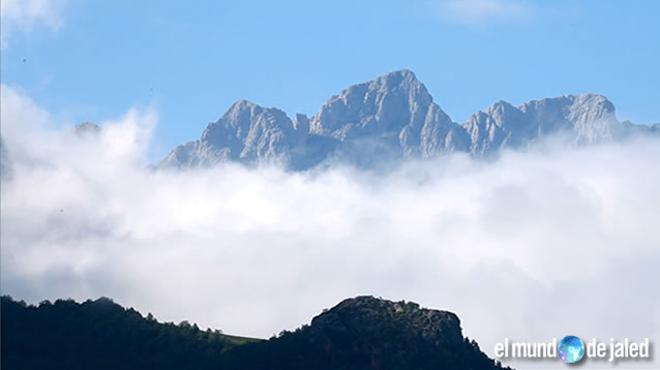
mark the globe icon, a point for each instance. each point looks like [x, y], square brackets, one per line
[571, 349]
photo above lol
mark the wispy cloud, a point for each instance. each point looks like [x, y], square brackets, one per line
[481, 11]
[25, 15]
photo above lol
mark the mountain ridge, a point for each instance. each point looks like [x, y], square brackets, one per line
[393, 117]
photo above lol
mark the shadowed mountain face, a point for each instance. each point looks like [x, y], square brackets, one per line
[359, 333]
[392, 118]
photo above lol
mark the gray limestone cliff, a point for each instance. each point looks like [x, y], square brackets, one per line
[393, 118]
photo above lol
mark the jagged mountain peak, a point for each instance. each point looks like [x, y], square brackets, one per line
[248, 105]
[388, 102]
[403, 73]
[400, 78]
[403, 78]
[581, 99]
[586, 101]
[584, 107]
[243, 110]
[501, 112]
[242, 103]
[393, 117]
[246, 132]
[501, 106]
[592, 98]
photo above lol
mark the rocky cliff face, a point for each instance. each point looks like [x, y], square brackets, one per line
[246, 132]
[391, 118]
[586, 118]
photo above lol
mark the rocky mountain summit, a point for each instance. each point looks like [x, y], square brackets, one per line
[391, 118]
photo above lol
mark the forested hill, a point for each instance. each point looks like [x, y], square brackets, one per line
[359, 333]
[101, 335]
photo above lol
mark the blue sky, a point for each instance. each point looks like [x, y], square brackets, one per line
[190, 60]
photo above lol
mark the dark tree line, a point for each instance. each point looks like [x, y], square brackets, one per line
[362, 333]
[101, 335]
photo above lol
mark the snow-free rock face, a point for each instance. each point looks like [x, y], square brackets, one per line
[586, 118]
[246, 133]
[393, 116]
[389, 119]
[589, 118]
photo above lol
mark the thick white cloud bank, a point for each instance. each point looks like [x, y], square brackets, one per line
[534, 245]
